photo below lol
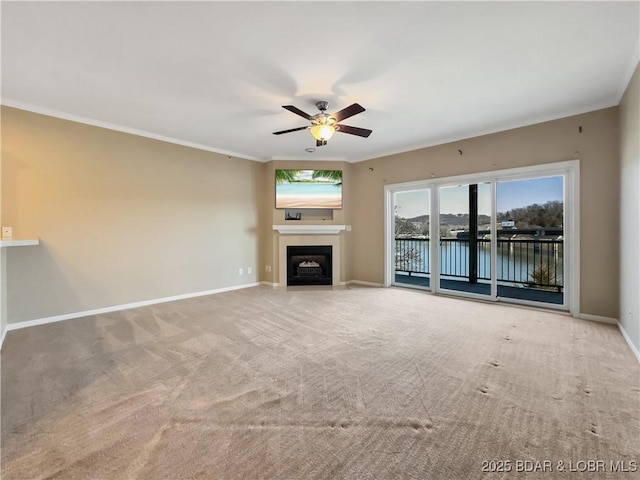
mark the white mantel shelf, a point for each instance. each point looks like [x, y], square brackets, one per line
[19, 242]
[309, 229]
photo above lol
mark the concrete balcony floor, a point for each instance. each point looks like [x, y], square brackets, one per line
[462, 285]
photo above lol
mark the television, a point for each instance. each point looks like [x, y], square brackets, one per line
[302, 189]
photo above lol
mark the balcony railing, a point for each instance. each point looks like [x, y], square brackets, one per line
[533, 263]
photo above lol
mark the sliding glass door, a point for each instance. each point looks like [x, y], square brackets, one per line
[530, 234]
[503, 236]
[411, 235]
[464, 234]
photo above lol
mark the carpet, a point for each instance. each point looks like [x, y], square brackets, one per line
[320, 383]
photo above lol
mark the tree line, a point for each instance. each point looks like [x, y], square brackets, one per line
[547, 215]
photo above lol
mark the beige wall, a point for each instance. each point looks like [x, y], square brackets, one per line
[547, 142]
[269, 242]
[121, 218]
[3, 261]
[630, 210]
[125, 219]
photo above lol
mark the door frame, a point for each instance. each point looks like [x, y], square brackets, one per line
[389, 248]
[569, 169]
[494, 286]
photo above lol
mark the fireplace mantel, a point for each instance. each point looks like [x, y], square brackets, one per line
[299, 235]
[309, 229]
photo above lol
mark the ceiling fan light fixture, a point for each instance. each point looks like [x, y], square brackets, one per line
[324, 126]
[322, 132]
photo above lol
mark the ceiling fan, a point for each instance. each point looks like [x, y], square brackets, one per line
[323, 125]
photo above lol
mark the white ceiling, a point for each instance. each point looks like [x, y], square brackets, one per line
[215, 74]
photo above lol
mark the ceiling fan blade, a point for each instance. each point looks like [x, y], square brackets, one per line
[350, 111]
[290, 130]
[361, 132]
[297, 111]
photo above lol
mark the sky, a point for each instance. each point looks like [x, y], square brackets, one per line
[305, 175]
[510, 195]
[521, 193]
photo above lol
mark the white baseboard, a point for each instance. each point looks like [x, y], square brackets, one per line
[269, 284]
[633, 348]
[612, 321]
[116, 308]
[597, 318]
[361, 282]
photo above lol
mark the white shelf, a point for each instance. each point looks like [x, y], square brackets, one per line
[19, 242]
[309, 229]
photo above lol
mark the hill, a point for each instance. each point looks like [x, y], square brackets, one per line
[450, 219]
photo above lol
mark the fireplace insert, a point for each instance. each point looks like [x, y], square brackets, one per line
[309, 265]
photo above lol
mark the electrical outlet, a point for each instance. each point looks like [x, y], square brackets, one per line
[249, 270]
[7, 232]
[240, 272]
[268, 268]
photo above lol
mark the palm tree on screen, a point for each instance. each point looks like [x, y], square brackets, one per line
[335, 175]
[283, 176]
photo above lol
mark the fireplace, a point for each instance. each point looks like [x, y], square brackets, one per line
[309, 265]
